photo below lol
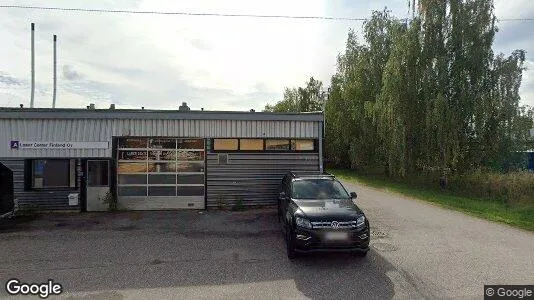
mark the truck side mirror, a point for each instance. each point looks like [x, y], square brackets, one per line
[353, 195]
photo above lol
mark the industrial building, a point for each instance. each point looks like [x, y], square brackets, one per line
[74, 159]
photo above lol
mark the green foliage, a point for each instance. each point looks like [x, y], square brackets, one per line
[428, 94]
[111, 201]
[309, 98]
[238, 205]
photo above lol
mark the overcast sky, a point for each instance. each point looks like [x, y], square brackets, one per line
[217, 63]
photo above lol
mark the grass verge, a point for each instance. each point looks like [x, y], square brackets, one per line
[521, 216]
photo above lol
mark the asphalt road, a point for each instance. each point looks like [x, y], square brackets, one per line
[418, 251]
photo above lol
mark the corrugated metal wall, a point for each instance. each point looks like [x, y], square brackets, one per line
[80, 130]
[56, 199]
[252, 176]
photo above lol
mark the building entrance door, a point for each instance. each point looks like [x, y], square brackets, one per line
[97, 185]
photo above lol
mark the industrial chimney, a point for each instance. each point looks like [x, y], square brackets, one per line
[32, 64]
[55, 73]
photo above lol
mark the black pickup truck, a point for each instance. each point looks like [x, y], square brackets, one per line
[318, 214]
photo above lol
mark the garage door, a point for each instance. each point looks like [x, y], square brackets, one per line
[160, 173]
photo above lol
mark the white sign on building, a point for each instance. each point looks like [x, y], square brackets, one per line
[58, 145]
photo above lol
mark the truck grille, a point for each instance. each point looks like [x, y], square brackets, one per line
[334, 224]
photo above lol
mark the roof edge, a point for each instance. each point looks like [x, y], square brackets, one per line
[71, 113]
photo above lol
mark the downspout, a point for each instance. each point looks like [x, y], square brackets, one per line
[321, 137]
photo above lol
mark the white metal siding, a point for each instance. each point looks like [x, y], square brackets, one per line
[88, 130]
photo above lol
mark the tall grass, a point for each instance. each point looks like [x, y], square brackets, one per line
[506, 198]
[512, 188]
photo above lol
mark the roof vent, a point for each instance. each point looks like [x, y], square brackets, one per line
[112, 106]
[184, 107]
[91, 106]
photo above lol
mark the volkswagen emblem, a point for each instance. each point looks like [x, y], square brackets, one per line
[335, 224]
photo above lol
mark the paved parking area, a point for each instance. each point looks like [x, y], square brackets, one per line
[418, 251]
[185, 254]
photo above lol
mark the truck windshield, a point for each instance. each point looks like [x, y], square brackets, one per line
[318, 189]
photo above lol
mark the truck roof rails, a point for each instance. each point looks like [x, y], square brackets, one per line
[302, 174]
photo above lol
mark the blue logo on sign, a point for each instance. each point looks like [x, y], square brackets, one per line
[14, 144]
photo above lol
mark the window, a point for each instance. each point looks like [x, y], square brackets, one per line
[191, 144]
[128, 167]
[160, 167]
[302, 145]
[225, 144]
[162, 143]
[256, 145]
[132, 143]
[97, 173]
[318, 189]
[251, 144]
[276, 144]
[53, 173]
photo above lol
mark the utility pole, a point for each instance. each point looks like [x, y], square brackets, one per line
[32, 64]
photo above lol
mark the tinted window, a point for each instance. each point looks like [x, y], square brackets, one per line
[98, 173]
[318, 189]
[53, 173]
[277, 144]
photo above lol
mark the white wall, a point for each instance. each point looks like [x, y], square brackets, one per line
[101, 130]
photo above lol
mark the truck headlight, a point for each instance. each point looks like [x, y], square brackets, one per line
[360, 222]
[301, 222]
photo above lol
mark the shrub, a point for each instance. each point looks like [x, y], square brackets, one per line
[28, 210]
[238, 203]
[111, 201]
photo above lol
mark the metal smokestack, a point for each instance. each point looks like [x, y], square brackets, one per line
[55, 73]
[33, 65]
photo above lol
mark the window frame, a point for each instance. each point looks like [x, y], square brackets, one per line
[315, 146]
[222, 150]
[30, 175]
[108, 177]
[182, 144]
